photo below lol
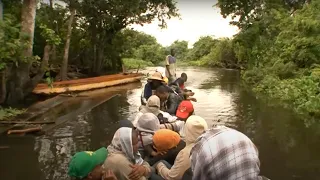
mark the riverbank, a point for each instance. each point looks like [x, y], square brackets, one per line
[8, 113]
[299, 93]
[132, 63]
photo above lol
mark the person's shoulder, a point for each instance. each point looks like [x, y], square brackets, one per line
[180, 80]
[117, 159]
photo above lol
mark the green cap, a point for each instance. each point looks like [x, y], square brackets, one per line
[82, 163]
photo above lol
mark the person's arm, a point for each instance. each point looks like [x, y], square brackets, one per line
[174, 126]
[147, 92]
[119, 164]
[181, 164]
[169, 117]
[147, 174]
[167, 66]
[148, 149]
[143, 99]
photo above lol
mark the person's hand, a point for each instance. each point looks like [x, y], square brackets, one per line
[137, 172]
[192, 99]
[108, 175]
[156, 153]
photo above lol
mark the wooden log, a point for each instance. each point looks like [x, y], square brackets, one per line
[27, 122]
[23, 131]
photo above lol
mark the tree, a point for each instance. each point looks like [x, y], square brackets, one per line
[106, 18]
[244, 12]
[91, 43]
[129, 40]
[180, 49]
[16, 54]
[19, 82]
[201, 48]
[64, 66]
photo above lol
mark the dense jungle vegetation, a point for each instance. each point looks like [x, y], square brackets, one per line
[277, 47]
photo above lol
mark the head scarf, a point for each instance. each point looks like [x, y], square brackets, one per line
[147, 124]
[122, 143]
[153, 105]
[194, 127]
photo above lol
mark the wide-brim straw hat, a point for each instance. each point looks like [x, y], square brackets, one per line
[156, 76]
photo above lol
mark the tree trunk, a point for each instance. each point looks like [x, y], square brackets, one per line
[64, 66]
[1, 10]
[27, 23]
[43, 67]
[54, 51]
[3, 90]
[100, 60]
[19, 77]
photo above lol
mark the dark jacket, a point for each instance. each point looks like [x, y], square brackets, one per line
[172, 103]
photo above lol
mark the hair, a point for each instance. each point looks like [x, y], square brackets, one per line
[162, 89]
[184, 75]
[172, 52]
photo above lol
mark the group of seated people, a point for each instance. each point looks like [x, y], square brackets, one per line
[161, 144]
[171, 94]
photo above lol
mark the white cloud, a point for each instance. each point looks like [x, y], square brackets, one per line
[198, 18]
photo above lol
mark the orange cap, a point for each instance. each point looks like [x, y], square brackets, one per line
[165, 139]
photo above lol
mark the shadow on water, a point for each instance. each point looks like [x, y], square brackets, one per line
[288, 149]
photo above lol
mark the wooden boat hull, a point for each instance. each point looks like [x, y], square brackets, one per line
[87, 83]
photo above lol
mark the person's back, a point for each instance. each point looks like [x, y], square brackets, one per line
[225, 154]
[172, 103]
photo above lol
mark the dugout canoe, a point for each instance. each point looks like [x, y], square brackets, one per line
[86, 84]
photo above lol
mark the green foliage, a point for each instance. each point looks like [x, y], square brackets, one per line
[282, 57]
[49, 35]
[131, 63]
[12, 43]
[152, 53]
[6, 113]
[138, 45]
[201, 48]
[180, 48]
[214, 53]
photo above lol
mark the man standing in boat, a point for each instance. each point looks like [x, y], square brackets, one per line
[171, 66]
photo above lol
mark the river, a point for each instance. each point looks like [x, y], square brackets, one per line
[288, 150]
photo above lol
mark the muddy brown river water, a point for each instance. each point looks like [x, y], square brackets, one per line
[288, 149]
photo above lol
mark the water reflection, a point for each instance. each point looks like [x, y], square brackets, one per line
[288, 150]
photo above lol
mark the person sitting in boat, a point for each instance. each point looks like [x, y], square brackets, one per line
[124, 158]
[223, 153]
[153, 83]
[194, 127]
[169, 100]
[87, 165]
[153, 106]
[179, 86]
[184, 111]
[169, 143]
[162, 70]
[179, 83]
[147, 125]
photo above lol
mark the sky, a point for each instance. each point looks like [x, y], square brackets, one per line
[198, 18]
